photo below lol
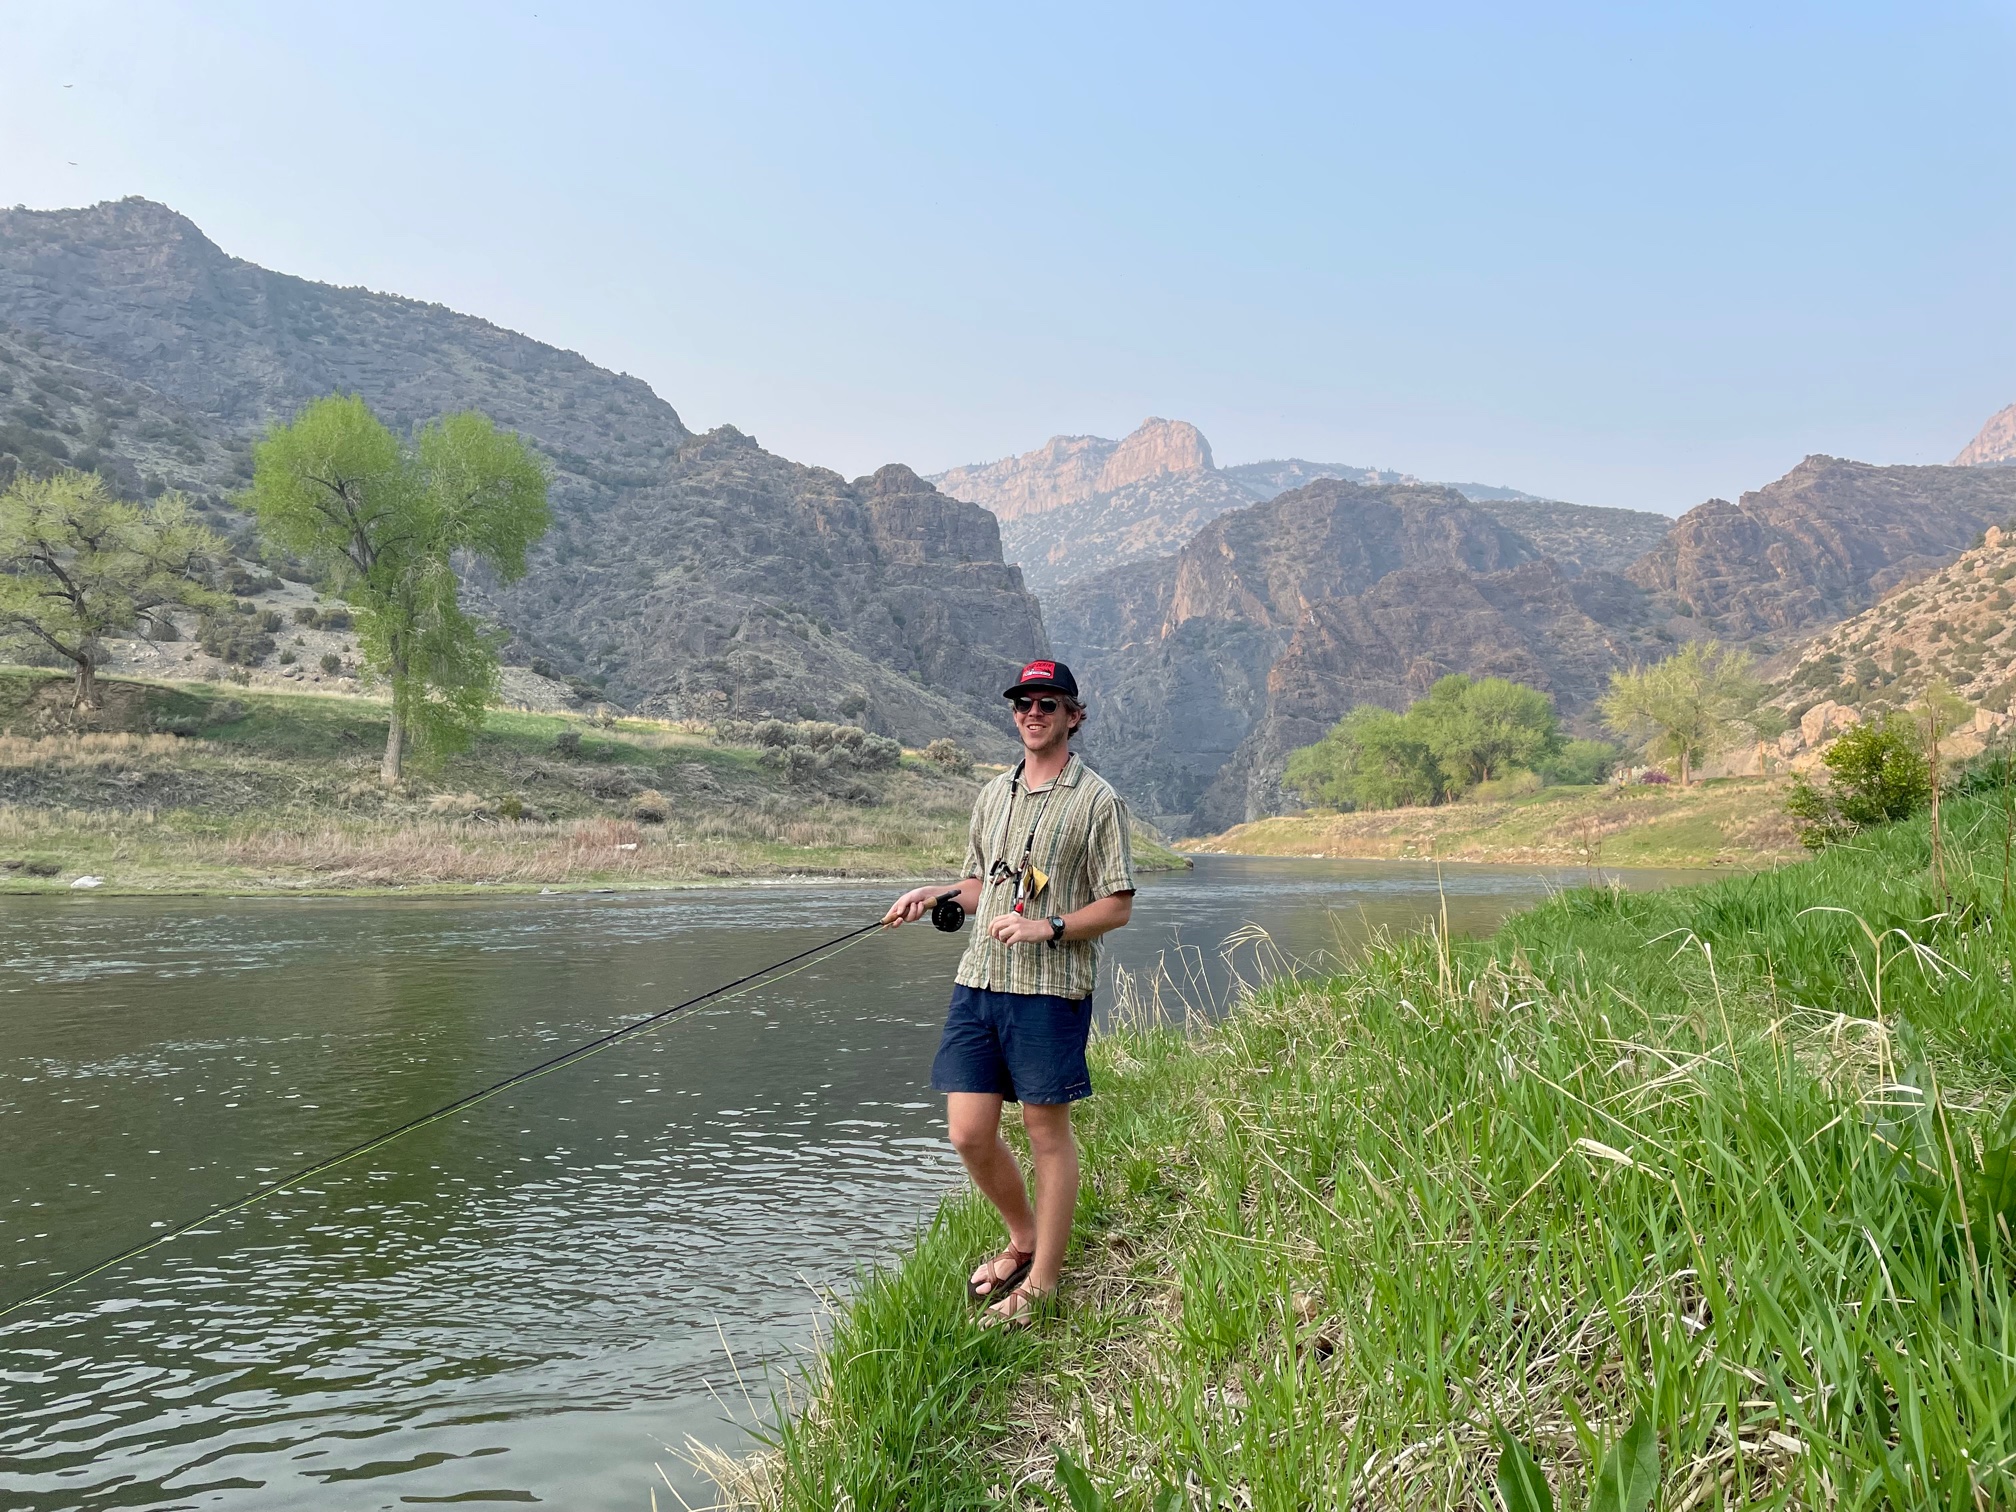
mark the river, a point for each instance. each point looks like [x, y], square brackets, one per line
[540, 1299]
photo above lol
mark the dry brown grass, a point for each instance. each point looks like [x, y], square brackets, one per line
[91, 750]
[433, 850]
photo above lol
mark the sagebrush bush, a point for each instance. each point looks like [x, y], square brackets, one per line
[950, 755]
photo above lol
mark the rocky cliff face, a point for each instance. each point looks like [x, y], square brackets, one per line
[1995, 446]
[1823, 541]
[1082, 504]
[685, 574]
[1070, 469]
[1533, 623]
[1206, 667]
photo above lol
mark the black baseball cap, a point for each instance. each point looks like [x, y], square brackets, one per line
[1044, 676]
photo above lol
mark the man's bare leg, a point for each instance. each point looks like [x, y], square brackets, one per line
[1056, 1153]
[974, 1122]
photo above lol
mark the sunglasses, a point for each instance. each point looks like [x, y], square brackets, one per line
[1046, 705]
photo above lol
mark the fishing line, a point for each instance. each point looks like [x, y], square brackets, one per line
[944, 918]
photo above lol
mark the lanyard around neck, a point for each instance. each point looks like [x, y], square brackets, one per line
[1008, 808]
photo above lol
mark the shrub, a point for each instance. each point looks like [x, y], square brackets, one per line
[650, 807]
[270, 620]
[288, 658]
[950, 755]
[331, 663]
[1654, 777]
[1511, 785]
[230, 639]
[568, 743]
[335, 619]
[511, 807]
[306, 615]
[1581, 763]
[1877, 775]
[41, 866]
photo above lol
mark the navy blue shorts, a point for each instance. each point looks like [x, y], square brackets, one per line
[1023, 1046]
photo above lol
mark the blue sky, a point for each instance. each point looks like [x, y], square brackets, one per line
[1622, 254]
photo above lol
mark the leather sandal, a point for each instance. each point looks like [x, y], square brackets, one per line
[1036, 1303]
[995, 1285]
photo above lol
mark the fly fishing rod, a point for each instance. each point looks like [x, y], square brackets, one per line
[946, 914]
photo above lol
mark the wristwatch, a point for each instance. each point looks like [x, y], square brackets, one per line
[1056, 930]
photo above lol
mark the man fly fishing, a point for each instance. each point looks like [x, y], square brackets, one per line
[1049, 869]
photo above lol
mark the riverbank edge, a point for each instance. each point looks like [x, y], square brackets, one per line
[303, 745]
[53, 888]
[1721, 823]
[1193, 1358]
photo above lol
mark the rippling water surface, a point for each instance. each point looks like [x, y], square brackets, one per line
[528, 1302]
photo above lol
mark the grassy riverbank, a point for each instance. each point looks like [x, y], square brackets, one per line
[1711, 1159]
[266, 791]
[1733, 821]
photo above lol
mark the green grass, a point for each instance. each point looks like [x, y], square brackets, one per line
[1720, 1159]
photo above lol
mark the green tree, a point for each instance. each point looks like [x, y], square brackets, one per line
[386, 520]
[1482, 728]
[1687, 706]
[78, 566]
[1371, 759]
[1580, 763]
[1876, 776]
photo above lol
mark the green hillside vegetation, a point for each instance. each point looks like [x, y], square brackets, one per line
[187, 788]
[1731, 1163]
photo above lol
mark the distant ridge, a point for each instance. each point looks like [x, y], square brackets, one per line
[1995, 446]
[1083, 504]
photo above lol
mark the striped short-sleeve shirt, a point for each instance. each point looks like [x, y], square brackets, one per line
[1083, 848]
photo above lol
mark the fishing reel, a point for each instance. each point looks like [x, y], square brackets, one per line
[948, 913]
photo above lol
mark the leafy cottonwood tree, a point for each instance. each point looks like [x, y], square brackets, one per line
[385, 519]
[1371, 759]
[1480, 728]
[1464, 732]
[1688, 706]
[78, 565]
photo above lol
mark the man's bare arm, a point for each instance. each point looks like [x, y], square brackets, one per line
[1100, 916]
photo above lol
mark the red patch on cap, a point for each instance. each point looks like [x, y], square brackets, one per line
[1038, 669]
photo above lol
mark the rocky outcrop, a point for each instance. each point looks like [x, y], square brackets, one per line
[1823, 541]
[684, 574]
[1081, 504]
[1205, 668]
[1995, 446]
[1067, 470]
[1153, 449]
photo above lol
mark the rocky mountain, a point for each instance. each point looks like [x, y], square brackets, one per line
[62, 410]
[1824, 541]
[1082, 504]
[1995, 446]
[1955, 624]
[1207, 666]
[684, 575]
[1070, 469]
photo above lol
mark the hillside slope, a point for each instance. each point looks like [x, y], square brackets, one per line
[1824, 541]
[685, 575]
[1207, 666]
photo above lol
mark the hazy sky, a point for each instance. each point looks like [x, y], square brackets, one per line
[1618, 253]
